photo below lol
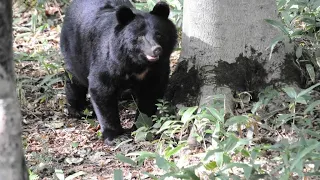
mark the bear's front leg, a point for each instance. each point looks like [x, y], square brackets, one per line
[76, 96]
[149, 92]
[105, 103]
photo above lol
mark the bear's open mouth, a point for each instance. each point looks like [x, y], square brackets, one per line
[152, 58]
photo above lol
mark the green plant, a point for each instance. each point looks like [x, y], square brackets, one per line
[47, 59]
[148, 128]
[168, 166]
[60, 175]
[223, 142]
[205, 120]
[300, 25]
[42, 88]
[39, 20]
[301, 98]
[33, 176]
[118, 174]
[297, 156]
[88, 117]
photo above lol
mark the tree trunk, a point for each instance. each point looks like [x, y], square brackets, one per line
[224, 47]
[12, 162]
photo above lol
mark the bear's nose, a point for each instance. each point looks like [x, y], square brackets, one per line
[157, 50]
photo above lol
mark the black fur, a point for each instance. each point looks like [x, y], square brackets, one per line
[161, 9]
[109, 47]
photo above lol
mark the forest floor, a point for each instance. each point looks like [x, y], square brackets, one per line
[52, 140]
[56, 144]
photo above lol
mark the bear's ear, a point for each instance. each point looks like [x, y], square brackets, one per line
[124, 15]
[161, 9]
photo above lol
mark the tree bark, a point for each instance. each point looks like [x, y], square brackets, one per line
[12, 162]
[226, 43]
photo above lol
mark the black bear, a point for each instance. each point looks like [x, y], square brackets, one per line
[109, 46]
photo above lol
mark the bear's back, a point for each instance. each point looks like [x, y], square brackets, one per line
[83, 12]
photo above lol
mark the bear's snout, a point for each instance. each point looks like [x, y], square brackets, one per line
[157, 50]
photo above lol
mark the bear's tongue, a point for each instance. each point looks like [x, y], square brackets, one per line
[152, 58]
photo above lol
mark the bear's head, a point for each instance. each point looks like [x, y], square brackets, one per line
[146, 36]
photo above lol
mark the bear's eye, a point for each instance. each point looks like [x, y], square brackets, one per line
[137, 39]
[158, 35]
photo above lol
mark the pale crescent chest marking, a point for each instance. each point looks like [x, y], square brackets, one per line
[142, 75]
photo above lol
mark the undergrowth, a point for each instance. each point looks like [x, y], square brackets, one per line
[276, 138]
[299, 26]
[235, 147]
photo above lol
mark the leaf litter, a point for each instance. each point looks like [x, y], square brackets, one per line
[55, 143]
[52, 140]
